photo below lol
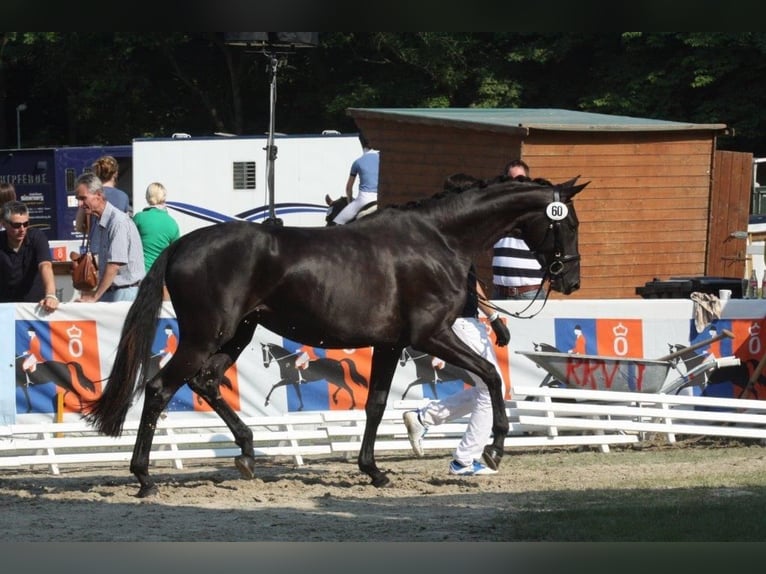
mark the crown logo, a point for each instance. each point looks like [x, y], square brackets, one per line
[74, 332]
[755, 329]
[620, 330]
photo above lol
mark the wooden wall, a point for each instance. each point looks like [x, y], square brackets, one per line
[729, 212]
[644, 215]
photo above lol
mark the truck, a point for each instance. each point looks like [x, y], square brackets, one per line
[218, 178]
[44, 180]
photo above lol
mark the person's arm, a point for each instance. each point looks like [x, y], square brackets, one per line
[502, 334]
[50, 301]
[110, 272]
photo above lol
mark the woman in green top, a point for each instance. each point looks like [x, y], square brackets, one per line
[156, 226]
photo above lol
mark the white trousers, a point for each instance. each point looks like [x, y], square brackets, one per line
[474, 400]
[349, 212]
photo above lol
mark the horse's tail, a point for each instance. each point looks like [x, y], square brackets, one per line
[356, 376]
[128, 375]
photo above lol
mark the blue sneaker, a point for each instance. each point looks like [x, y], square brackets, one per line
[475, 469]
[416, 430]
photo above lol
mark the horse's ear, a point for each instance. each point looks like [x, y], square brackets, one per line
[569, 187]
[578, 188]
[570, 182]
[328, 199]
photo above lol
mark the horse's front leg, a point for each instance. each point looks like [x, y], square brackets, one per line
[493, 453]
[383, 366]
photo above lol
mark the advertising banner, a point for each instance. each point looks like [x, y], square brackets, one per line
[53, 363]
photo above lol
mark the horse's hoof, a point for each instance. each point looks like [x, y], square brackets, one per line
[381, 480]
[148, 491]
[245, 465]
[491, 457]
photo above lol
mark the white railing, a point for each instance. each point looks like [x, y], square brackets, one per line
[544, 417]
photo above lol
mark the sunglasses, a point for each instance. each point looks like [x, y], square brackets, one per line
[18, 224]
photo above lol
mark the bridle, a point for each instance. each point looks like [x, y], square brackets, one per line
[557, 212]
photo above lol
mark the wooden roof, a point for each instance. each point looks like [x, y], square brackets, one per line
[524, 120]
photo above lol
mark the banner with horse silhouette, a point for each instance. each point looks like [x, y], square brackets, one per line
[57, 362]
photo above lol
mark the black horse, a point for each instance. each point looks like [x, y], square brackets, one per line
[335, 206]
[392, 279]
[427, 374]
[60, 373]
[315, 370]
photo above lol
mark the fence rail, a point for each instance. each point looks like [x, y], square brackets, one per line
[539, 417]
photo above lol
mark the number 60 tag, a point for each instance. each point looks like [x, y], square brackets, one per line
[556, 211]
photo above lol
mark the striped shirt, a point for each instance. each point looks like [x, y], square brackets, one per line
[514, 265]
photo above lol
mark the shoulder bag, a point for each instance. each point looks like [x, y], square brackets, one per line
[84, 268]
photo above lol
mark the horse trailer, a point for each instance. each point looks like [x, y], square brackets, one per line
[215, 179]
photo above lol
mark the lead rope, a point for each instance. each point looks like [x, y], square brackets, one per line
[518, 314]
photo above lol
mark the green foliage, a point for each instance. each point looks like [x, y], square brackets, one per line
[109, 87]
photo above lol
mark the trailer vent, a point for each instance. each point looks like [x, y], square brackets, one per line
[244, 175]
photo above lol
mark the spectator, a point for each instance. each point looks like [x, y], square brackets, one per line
[467, 457]
[516, 273]
[366, 167]
[26, 271]
[118, 248]
[156, 226]
[107, 170]
[7, 193]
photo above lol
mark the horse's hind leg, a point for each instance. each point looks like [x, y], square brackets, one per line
[156, 397]
[193, 361]
[207, 384]
[384, 361]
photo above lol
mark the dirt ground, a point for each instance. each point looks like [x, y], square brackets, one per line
[328, 499]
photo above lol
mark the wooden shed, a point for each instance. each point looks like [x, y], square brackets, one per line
[662, 202]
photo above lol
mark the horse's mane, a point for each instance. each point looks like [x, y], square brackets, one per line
[461, 182]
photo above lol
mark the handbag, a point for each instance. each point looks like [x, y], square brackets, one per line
[84, 268]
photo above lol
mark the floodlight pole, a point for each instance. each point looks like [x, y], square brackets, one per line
[271, 149]
[20, 108]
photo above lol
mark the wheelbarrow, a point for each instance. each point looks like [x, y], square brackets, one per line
[606, 373]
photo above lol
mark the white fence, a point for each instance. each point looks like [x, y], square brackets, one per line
[543, 417]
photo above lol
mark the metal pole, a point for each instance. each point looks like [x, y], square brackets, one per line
[271, 149]
[20, 108]
[18, 126]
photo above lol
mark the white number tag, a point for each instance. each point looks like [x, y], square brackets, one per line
[556, 211]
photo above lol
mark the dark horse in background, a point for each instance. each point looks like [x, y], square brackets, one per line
[335, 206]
[427, 374]
[60, 373]
[323, 368]
[392, 279]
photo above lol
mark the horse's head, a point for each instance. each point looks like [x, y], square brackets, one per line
[552, 235]
[267, 356]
